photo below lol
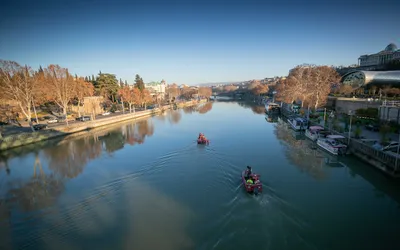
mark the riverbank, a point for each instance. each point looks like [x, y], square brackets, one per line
[21, 139]
[386, 162]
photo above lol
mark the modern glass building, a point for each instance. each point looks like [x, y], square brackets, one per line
[358, 79]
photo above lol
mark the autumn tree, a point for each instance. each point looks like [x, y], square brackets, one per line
[323, 77]
[173, 92]
[205, 91]
[145, 98]
[18, 84]
[131, 96]
[61, 86]
[139, 83]
[187, 92]
[287, 91]
[260, 89]
[345, 89]
[253, 84]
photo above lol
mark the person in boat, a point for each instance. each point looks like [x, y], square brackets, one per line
[249, 172]
[201, 136]
[255, 179]
[249, 181]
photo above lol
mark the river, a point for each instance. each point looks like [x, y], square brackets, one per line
[146, 184]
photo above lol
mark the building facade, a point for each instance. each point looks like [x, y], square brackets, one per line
[390, 53]
[156, 87]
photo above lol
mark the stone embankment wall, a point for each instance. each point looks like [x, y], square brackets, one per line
[21, 139]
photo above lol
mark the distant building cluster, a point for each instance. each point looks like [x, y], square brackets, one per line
[390, 53]
[156, 87]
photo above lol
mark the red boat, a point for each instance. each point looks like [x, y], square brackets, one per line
[203, 141]
[256, 187]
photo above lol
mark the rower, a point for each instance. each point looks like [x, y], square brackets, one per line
[249, 172]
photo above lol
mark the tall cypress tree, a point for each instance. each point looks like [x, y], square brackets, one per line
[139, 82]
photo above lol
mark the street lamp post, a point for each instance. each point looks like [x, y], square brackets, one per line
[397, 156]
[351, 116]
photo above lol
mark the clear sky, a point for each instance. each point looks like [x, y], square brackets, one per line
[194, 42]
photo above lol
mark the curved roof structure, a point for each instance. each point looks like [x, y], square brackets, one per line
[391, 47]
[358, 79]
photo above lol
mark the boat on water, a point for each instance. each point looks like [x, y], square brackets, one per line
[332, 144]
[203, 141]
[256, 186]
[315, 132]
[272, 108]
[298, 123]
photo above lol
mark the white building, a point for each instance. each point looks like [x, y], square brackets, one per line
[388, 54]
[156, 87]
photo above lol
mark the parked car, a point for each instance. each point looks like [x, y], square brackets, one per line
[372, 127]
[40, 126]
[84, 118]
[390, 145]
[106, 113]
[52, 120]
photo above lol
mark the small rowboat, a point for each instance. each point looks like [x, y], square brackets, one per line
[251, 188]
[202, 141]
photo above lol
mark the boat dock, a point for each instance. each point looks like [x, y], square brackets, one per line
[387, 162]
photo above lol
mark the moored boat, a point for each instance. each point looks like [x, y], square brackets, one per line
[332, 144]
[314, 132]
[298, 123]
[256, 186]
[272, 108]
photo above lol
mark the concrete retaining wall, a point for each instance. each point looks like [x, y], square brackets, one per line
[21, 139]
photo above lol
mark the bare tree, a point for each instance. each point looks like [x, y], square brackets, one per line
[61, 86]
[260, 89]
[205, 91]
[18, 84]
[323, 78]
[172, 91]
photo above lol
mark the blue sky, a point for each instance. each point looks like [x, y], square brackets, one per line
[193, 42]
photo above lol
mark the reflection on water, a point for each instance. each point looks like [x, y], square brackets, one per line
[203, 109]
[303, 153]
[257, 109]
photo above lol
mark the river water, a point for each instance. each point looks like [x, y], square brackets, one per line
[148, 185]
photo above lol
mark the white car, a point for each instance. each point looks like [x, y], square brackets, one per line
[106, 113]
[52, 120]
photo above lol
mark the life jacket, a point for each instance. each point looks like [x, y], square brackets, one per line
[249, 181]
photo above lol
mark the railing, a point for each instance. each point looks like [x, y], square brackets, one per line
[387, 103]
[356, 145]
[378, 155]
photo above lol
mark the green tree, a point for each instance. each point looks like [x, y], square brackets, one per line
[107, 86]
[139, 82]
